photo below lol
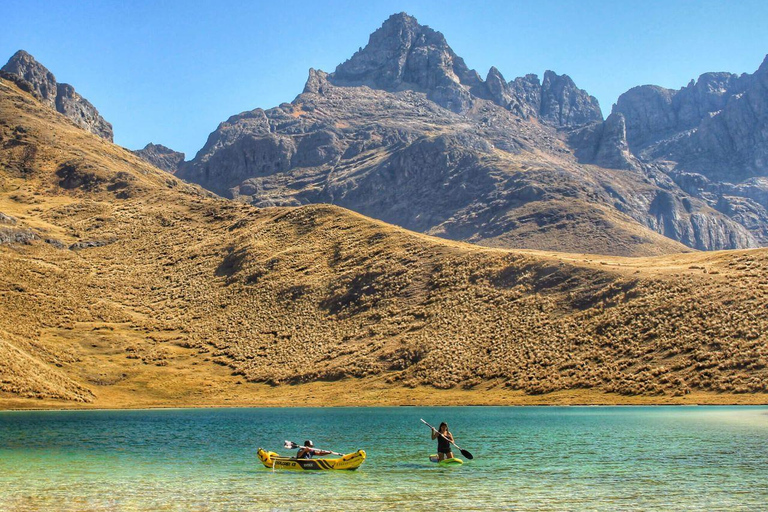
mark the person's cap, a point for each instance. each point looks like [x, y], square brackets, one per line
[309, 443]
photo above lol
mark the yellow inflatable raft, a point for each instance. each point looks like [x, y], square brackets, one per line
[349, 461]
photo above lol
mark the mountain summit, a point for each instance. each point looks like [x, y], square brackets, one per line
[22, 67]
[403, 54]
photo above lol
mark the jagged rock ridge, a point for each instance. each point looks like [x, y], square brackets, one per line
[61, 97]
[161, 157]
[403, 54]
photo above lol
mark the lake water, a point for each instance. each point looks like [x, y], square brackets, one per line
[548, 458]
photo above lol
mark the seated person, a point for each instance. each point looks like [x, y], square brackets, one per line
[307, 451]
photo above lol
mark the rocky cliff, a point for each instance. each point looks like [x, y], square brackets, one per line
[161, 157]
[405, 132]
[61, 97]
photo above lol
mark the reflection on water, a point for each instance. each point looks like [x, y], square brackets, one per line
[559, 458]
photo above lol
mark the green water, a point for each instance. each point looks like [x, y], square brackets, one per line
[569, 458]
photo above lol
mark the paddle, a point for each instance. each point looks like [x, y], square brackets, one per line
[463, 452]
[292, 446]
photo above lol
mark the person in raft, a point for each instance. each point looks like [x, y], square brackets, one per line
[308, 450]
[444, 440]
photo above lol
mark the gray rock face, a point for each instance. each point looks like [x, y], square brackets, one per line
[746, 202]
[653, 113]
[24, 66]
[732, 144]
[604, 144]
[556, 101]
[527, 96]
[404, 159]
[498, 89]
[647, 112]
[59, 96]
[161, 157]
[564, 104]
[708, 94]
[680, 218]
[7, 219]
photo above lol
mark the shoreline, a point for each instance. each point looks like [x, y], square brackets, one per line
[367, 394]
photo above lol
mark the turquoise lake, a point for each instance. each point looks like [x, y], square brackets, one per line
[526, 458]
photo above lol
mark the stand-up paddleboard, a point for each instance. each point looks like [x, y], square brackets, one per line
[446, 462]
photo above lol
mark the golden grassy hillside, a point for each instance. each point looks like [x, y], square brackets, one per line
[122, 286]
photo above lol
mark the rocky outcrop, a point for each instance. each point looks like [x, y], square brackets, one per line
[556, 101]
[732, 144]
[680, 218]
[746, 202]
[604, 144]
[59, 96]
[526, 93]
[42, 81]
[161, 157]
[564, 104]
[7, 219]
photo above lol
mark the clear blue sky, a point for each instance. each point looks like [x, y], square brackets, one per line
[170, 71]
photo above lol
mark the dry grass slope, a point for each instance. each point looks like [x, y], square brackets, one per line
[121, 285]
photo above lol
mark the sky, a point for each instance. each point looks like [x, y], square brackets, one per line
[169, 72]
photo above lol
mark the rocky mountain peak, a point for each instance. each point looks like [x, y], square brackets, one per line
[317, 78]
[59, 96]
[161, 157]
[402, 54]
[498, 88]
[763, 69]
[494, 74]
[24, 66]
[400, 23]
[403, 131]
[564, 104]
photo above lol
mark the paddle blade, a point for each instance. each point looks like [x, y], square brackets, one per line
[467, 454]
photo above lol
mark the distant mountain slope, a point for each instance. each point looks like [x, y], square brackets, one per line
[120, 285]
[710, 137]
[405, 132]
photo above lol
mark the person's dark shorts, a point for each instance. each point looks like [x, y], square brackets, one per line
[444, 452]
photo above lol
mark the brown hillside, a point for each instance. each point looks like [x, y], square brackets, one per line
[122, 286]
